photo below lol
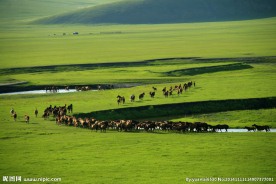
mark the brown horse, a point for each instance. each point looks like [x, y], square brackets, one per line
[27, 118]
[36, 112]
[14, 115]
[132, 98]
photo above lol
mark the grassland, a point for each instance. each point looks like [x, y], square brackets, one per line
[96, 44]
[161, 12]
[38, 55]
[42, 149]
[237, 119]
[13, 11]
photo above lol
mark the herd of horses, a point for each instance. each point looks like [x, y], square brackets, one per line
[60, 115]
[179, 89]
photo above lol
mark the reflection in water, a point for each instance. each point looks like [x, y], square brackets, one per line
[245, 130]
[39, 92]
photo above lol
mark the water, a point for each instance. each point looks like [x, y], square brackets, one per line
[245, 130]
[39, 92]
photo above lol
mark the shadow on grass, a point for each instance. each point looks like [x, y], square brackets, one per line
[209, 69]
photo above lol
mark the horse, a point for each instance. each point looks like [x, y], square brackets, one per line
[27, 118]
[260, 128]
[103, 126]
[250, 128]
[166, 94]
[132, 98]
[120, 99]
[141, 96]
[152, 94]
[12, 111]
[221, 127]
[70, 108]
[14, 116]
[36, 112]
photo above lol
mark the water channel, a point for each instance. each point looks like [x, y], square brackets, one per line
[39, 92]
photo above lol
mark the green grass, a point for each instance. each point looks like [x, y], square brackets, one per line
[254, 82]
[78, 155]
[160, 12]
[13, 11]
[30, 45]
[236, 119]
[43, 149]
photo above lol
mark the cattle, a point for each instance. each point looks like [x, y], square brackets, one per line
[260, 128]
[154, 88]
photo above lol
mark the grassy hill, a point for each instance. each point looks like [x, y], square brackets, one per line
[163, 11]
[14, 10]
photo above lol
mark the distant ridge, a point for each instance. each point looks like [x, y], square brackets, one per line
[167, 11]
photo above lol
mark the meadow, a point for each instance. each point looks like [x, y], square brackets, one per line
[227, 60]
[41, 45]
[43, 149]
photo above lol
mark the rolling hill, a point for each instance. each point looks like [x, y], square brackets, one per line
[21, 10]
[167, 11]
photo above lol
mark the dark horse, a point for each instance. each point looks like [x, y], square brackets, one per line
[132, 98]
[221, 127]
[141, 96]
[120, 99]
[260, 128]
[70, 108]
[250, 128]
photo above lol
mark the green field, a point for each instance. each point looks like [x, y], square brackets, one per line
[38, 46]
[43, 149]
[232, 63]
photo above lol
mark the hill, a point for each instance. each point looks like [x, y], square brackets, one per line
[14, 10]
[164, 11]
